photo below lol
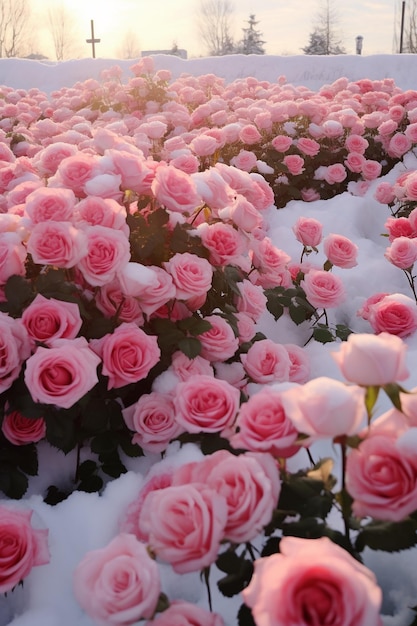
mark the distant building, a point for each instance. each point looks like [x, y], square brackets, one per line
[177, 52]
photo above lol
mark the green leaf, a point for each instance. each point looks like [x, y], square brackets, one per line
[232, 584]
[55, 496]
[343, 332]
[228, 562]
[194, 325]
[27, 459]
[190, 346]
[371, 396]
[86, 469]
[274, 306]
[104, 443]
[298, 314]
[60, 430]
[393, 392]
[244, 616]
[322, 335]
[91, 484]
[18, 293]
[388, 536]
[13, 482]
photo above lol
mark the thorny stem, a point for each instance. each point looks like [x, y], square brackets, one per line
[345, 508]
[410, 279]
[206, 575]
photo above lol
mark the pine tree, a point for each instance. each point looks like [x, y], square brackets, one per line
[323, 39]
[252, 42]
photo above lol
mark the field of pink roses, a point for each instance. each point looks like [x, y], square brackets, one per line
[135, 265]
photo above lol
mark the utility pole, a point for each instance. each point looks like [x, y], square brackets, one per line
[402, 26]
[93, 41]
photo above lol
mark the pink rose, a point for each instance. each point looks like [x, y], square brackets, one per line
[242, 213]
[219, 343]
[308, 146]
[402, 253]
[281, 143]
[384, 193]
[323, 289]
[308, 194]
[335, 174]
[245, 160]
[74, 171]
[110, 300]
[103, 211]
[308, 231]
[133, 169]
[185, 525]
[356, 143]
[21, 430]
[270, 261]
[399, 227]
[118, 584]
[262, 425]
[371, 169]
[252, 300]
[62, 374]
[366, 310]
[354, 162]
[12, 256]
[312, 581]
[21, 547]
[192, 275]
[224, 243]
[381, 477]
[48, 319]
[175, 190]
[181, 613]
[152, 419]
[183, 367]
[14, 349]
[249, 483]
[324, 407]
[128, 354]
[108, 252]
[294, 163]
[49, 203]
[267, 362]
[300, 363]
[249, 135]
[49, 158]
[398, 145]
[372, 360]
[206, 404]
[395, 314]
[340, 251]
[57, 243]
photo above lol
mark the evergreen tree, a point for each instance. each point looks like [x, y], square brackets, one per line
[252, 42]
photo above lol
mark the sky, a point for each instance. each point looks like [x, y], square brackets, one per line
[285, 25]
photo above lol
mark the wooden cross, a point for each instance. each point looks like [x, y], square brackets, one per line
[93, 41]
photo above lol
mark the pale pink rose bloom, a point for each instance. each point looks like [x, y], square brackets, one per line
[400, 227]
[411, 132]
[267, 362]
[402, 253]
[213, 189]
[300, 368]
[152, 419]
[57, 243]
[333, 128]
[108, 252]
[23, 547]
[219, 343]
[371, 169]
[282, 143]
[186, 614]
[250, 484]
[18, 194]
[117, 584]
[294, 163]
[204, 145]
[145, 65]
[252, 300]
[155, 129]
[324, 407]
[246, 327]
[242, 213]
[104, 185]
[375, 360]
[395, 314]
[103, 211]
[14, 348]
[134, 170]
[323, 289]
[410, 187]
[62, 374]
[384, 193]
[308, 231]
[398, 145]
[355, 162]
[21, 430]
[245, 160]
[110, 300]
[48, 203]
[356, 143]
[233, 373]
[185, 525]
[335, 173]
[128, 354]
[381, 477]
[366, 310]
[12, 256]
[184, 367]
[49, 158]
[308, 146]
[262, 425]
[340, 251]
[249, 135]
[74, 171]
[175, 190]
[205, 404]
[192, 275]
[46, 319]
[388, 127]
[286, 586]
[309, 195]
[188, 163]
[225, 244]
